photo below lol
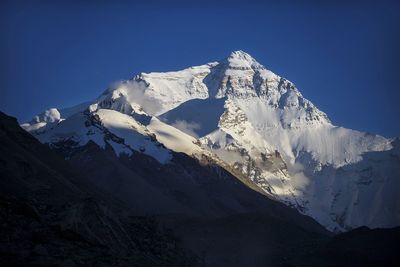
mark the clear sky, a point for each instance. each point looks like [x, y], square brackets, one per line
[344, 56]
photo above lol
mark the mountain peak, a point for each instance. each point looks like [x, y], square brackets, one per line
[241, 60]
[241, 55]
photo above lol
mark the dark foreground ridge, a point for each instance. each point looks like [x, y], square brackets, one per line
[98, 209]
[51, 216]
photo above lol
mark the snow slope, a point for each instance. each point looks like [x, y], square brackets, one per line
[256, 123]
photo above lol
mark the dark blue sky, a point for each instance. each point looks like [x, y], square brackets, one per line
[343, 56]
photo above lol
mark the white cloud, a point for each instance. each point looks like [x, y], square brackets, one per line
[299, 179]
[135, 92]
[187, 127]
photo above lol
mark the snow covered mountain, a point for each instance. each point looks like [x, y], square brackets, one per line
[252, 122]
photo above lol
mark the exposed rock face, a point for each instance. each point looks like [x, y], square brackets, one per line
[254, 122]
